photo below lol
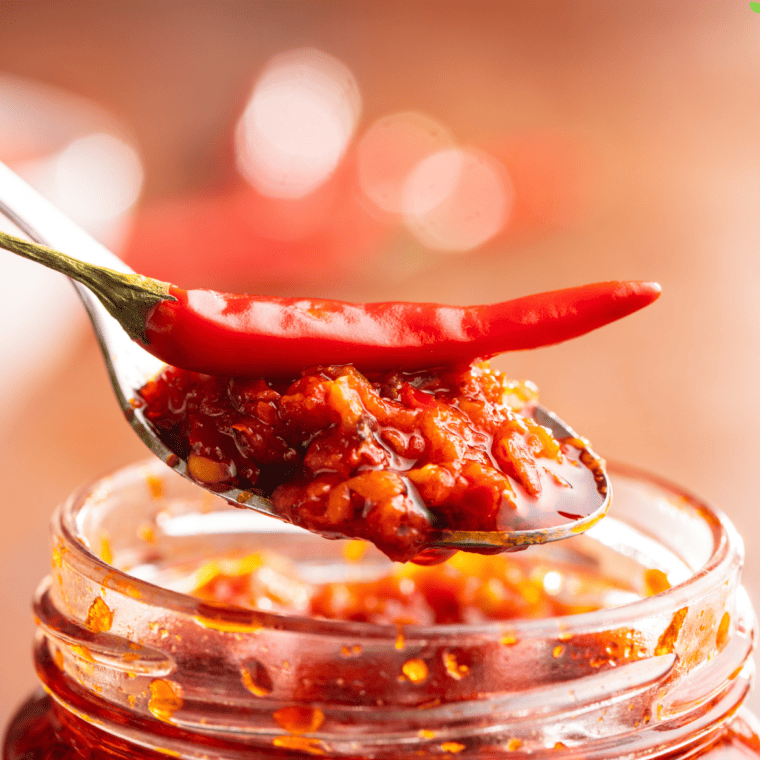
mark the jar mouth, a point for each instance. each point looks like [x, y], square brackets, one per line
[718, 553]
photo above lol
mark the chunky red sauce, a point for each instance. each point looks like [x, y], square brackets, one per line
[388, 457]
[467, 589]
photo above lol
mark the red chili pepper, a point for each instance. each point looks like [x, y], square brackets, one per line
[239, 335]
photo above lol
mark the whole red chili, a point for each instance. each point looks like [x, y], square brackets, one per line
[240, 335]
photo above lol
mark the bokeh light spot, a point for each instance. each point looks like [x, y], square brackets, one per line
[298, 123]
[95, 179]
[457, 199]
[390, 149]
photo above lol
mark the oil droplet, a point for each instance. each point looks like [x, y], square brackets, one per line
[133, 591]
[85, 662]
[165, 699]
[99, 617]
[509, 639]
[83, 652]
[626, 645]
[58, 556]
[58, 659]
[354, 550]
[146, 533]
[207, 573]
[557, 651]
[349, 651]
[105, 550]
[131, 700]
[229, 626]
[400, 641]
[667, 642]
[243, 497]
[296, 719]
[655, 581]
[514, 744]
[452, 747]
[256, 679]
[721, 637]
[155, 486]
[426, 733]
[300, 743]
[453, 668]
[415, 670]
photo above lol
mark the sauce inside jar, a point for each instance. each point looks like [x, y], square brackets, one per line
[467, 588]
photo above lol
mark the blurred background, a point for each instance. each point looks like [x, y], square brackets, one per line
[452, 152]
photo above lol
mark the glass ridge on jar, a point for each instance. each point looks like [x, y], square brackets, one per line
[135, 668]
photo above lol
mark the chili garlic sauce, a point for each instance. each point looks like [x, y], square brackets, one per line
[389, 458]
[466, 588]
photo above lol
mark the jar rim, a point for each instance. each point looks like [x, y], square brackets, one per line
[727, 551]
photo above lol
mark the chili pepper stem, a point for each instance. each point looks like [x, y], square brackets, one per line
[127, 297]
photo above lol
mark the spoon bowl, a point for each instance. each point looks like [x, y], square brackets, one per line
[130, 367]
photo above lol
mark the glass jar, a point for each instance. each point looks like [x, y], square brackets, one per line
[134, 667]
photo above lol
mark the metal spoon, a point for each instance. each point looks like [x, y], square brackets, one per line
[130, 367]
